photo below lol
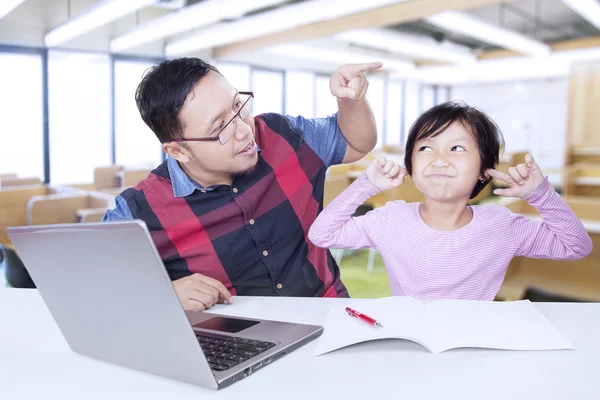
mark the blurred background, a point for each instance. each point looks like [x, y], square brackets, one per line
[71, 137]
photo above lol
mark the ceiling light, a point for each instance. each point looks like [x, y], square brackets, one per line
[587, 9]
[186, 19]
[339, 56]
[556, 65]
[99, 15]
[6, 6]
[281, 19]
[413, 46]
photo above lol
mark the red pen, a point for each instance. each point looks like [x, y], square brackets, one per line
[363, 317]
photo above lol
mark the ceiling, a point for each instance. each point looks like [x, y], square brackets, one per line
[282, 33]
[545, 20]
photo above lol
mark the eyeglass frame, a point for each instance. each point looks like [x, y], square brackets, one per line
[218, 136]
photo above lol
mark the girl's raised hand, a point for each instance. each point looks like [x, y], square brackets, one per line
[522, 180]
[385, 174]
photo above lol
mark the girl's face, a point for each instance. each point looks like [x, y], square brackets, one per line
[446, 167]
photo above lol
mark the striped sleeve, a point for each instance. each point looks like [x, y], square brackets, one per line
[336, 228]
[559, 236]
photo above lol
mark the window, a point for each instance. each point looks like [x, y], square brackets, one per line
[79, 99]
[21, 115]
[237, 74]
[135, 143]
[326, 103]
[443, 94]
[411, 106]
[394, 114]
[427, 98]
[375, 96]
[268, 91]
[300, 93]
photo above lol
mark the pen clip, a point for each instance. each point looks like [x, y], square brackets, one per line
[350, 312]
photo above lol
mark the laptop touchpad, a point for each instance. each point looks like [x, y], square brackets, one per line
[226, 324]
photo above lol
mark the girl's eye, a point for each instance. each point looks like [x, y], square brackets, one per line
[425, 148]
[458, 148]
[237, 106]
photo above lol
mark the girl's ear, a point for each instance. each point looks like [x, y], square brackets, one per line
[484, 177]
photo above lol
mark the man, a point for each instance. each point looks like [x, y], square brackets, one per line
[230, 208]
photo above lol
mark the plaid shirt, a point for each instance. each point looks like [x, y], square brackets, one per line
[252, 235]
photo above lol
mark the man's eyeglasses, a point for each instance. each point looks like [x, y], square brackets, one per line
[241, 109]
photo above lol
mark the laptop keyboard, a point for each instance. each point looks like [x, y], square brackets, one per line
[224, 352]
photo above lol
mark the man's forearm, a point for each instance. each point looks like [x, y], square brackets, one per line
[357, 123]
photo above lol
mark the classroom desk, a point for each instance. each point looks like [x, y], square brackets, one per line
[355, 174]
[35, 362]
[588, 181]
[586, 151]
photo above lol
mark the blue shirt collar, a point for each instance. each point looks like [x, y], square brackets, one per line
[182, 184]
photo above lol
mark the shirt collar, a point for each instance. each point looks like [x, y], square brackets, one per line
[182, 184]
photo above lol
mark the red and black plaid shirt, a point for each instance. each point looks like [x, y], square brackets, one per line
[252, 235]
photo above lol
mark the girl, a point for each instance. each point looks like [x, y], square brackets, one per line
[443, 248]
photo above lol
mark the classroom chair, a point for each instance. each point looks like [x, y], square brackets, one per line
[14, 270]
[537, 295]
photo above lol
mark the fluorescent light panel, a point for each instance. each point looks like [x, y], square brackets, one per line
[494, 71]
[467, 25]
[587, 9]
[99, 15]
[557, 64]
[187, 18]
[413, 46]
[281, 19]
[339, 56]
[6, 6]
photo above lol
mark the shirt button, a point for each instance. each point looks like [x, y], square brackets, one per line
[265, 253]
[235, 190]
[279, 286]
[251, 222]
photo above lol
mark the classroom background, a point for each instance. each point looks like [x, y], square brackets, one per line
[71, 137]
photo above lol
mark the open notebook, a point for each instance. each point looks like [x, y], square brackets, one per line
[444, 324]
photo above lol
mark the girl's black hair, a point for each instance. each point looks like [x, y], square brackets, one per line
[437, 119]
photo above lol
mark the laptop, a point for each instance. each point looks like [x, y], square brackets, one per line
[109, 293]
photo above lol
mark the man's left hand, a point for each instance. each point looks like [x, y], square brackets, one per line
[350, 82]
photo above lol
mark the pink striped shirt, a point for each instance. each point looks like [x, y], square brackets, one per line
[468, 263]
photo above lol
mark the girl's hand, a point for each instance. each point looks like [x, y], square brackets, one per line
[385, 174]
[522, 180]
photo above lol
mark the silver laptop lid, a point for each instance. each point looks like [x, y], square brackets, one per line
[106, 280]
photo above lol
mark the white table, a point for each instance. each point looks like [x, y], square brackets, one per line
[35, 362]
